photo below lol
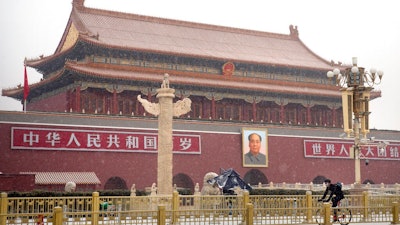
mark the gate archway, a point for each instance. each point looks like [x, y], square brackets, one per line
[254, 177]
[319, 179]
[115, 183]
[182, 180]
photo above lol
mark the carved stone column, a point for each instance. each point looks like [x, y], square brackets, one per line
[165, 109]
[165, 144]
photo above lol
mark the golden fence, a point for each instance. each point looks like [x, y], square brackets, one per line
[192, 209]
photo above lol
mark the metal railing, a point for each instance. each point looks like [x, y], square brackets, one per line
[191, 209]
[372, 188]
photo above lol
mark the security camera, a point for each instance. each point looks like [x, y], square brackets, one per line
[366, 162]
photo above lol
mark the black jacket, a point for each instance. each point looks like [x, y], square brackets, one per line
[334, 189]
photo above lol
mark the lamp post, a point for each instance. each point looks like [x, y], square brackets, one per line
[356, 85]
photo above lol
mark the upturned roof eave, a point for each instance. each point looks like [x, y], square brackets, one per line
[38, 62]
[18, 92]
[212, 81]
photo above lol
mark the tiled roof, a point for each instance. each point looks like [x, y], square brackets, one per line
[64, 177]
[136, 32]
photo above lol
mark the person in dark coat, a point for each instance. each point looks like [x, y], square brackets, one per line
[335, 194]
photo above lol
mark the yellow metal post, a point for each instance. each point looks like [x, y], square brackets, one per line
[365, 119]
[3, 208]
[309, 206]
[58, 215]
[95, 207]
[327, 213]
[249, 214]
[347, 105]
[365, 205]
[161, 215]
[395, 212]
[246, 198]
[175, 206]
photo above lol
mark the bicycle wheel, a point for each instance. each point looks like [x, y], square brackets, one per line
[344, 216]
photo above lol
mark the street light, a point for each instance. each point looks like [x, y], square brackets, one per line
[356, 85]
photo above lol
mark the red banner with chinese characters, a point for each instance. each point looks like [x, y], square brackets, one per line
[97, 140]
[341, 149]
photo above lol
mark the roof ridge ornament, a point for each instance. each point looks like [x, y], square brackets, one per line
[78, 3]
[293, 31]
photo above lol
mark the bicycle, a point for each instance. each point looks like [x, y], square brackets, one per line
[343, 214]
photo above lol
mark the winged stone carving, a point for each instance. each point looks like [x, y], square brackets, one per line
[182, 106]
[153, 108]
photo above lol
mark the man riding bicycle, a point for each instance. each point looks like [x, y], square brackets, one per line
[333, 189]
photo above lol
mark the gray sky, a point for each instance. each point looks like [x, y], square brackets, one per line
[338, 30]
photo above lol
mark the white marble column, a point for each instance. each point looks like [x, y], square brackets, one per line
[165, 109]
[165, 145]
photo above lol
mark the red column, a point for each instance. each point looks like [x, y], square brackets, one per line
[282, 114]
[254, 110]
[78, 99]
[308, 115]
[69, 102]
[298, 116]
[105, 104]
[334, 117]
[213, 108]
[115, 102]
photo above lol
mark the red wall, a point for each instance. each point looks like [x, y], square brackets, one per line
[17, 182]
[218, 150]
[54, 103]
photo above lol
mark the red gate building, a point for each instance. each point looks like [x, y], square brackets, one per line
[83, 116]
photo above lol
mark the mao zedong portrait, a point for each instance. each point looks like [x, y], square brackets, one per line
[254, 156]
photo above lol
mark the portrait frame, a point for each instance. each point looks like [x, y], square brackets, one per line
[263, 133]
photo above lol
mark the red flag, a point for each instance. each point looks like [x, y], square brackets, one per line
[26, 86]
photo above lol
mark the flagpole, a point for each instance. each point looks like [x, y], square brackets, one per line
[26, 86]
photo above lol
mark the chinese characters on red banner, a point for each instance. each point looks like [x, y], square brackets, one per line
[97, 140]
[337, 149]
